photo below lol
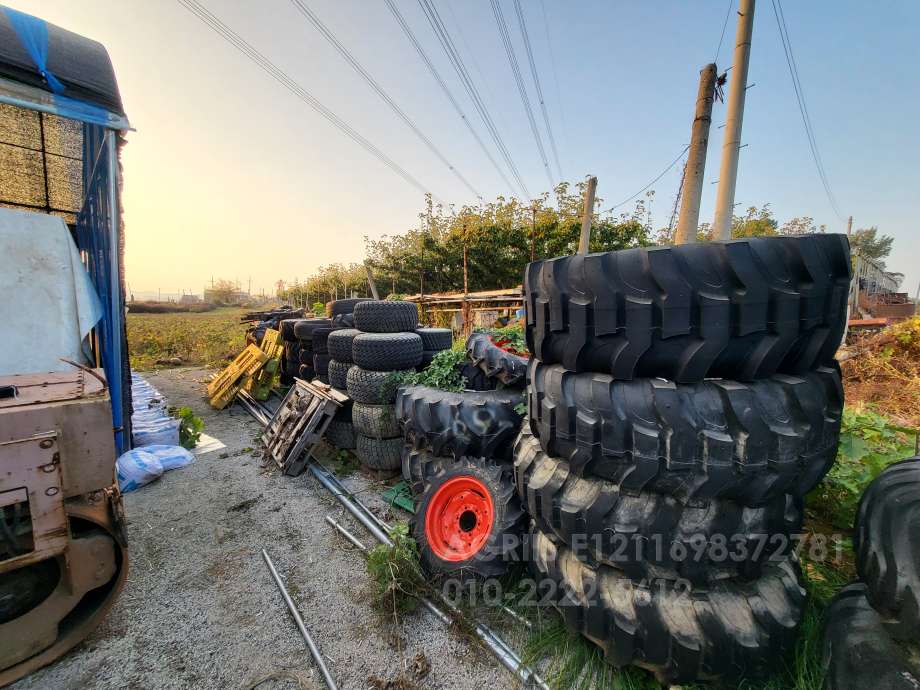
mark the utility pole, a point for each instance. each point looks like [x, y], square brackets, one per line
[849, 226]
[533, 233]
[689, 218]
[587, 214]
[731, 146]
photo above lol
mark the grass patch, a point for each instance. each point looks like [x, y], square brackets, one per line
[205, 339]
[397, 573]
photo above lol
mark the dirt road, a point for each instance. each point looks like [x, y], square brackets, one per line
[200, 609]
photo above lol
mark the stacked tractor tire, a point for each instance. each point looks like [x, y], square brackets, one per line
[458, 463]
[681, 403]
[872, 627]
[368, 359]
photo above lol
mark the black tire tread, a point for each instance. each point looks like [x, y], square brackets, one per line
[375, 421]
[858, 652]
[338, 343]
[436, 339]
[742, 309]
[733, 629]
[386, 351]
[386, 316]
[374, 387]
[649, 535]
[494, 362]
[887, 545]
[338, 373]
[479, 424]
[379, 454]
[715, 439]
[341, 434]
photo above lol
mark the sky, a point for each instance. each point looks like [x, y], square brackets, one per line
[228, 175]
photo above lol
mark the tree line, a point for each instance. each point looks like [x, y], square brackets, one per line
[472, 248]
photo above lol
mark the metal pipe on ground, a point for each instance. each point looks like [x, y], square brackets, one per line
[499, 648]
[314, 650]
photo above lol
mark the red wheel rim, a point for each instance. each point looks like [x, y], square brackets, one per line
[459, 519]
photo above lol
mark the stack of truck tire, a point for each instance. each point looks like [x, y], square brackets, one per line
[681, 403]
[458, 463]
[368, 359]
[872, 627]
[291, 359]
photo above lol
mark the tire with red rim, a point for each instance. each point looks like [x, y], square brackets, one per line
[469, 518]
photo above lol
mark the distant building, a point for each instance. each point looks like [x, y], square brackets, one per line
[229, 297]
[190, 299]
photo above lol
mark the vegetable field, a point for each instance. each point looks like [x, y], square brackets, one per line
[204, 339]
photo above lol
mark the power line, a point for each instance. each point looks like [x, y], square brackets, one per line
[519, 81]
[278, 75]
[662, 174]
[536, 83]
[552, 58]
[728, 13]
[379, 90]
[437, 25]
[447, 92]
[803, 108]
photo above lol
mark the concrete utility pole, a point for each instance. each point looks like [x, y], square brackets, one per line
[689, 218]
[728, 172]
[849, 226]
[587, 215]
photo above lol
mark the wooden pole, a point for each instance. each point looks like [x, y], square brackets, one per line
[371, 283]
[533, 233]
[587, 215]
[689, 219]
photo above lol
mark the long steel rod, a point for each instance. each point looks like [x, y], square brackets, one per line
[505, 655]
[314, 650]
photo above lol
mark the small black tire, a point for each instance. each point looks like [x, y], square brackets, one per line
[338, 343]
[742, 310]
[379, 454]
[887, 545]
[478, 424]
[375, 421]
[386, 351]
[729, 630]
[320, 335]
[495, 362]
[292, 350]
[650, 535]
[341, 434]
[321, 364]
[386, 317]
[303, 328]
[346, 306]
[306, 372]
[496, 539]
[286, 328]
[726, 439]
[436, 339]
[858, 652]
[338, 374]
[305, 356]
[374, 387]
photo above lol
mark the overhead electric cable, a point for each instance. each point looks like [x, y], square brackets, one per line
[803, 107]
[552, 60]
[728, 13]
[437, 25]
[282, 78]
[519, 81]
[662, 174]
[536, 83]
[379, 90]
[447, 92]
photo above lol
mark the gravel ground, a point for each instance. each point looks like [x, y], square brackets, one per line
[200, 608]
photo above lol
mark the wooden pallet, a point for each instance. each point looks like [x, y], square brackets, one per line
[299, 423]
[259, 385]
[224, 387]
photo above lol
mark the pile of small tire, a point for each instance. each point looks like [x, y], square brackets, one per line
[367, 359]
[872, 627]
[291, 360]
[341, 431]
[457, 462]
[681, 403]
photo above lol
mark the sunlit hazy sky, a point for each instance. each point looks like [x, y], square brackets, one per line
[229, 175]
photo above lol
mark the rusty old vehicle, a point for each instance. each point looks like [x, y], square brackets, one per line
[63, 552]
